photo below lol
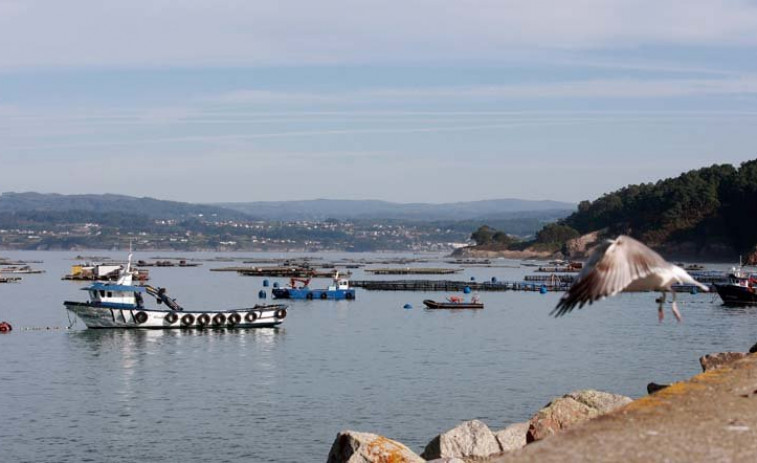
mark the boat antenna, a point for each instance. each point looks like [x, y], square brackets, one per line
[128, 262]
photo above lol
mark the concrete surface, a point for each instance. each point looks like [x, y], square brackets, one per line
[710, 418]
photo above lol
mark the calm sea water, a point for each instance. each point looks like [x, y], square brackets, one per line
[281, 395]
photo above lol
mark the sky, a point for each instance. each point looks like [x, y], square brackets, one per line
[405, 101]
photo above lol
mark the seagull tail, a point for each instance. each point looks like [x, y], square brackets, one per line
[702, 286]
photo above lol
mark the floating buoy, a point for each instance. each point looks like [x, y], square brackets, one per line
[466, 290]
[266, 283]
[5, 327]
[407, 306]
[494, 279]
[543, 289]
[261, 294]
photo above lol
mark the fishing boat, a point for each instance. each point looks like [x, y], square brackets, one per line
[121, 304]
[338, 290]
[454, 302]
[740, 289]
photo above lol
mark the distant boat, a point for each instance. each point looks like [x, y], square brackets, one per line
[740, 289]
[454, 302]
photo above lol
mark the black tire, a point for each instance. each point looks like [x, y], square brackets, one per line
[187, 320]
[324, 296]
[349, 296]
[234, 319]
[281, 314]
[171, 318]
[219, 319]
[140, 317]
[251, 317]
[203, 319]
[309, 296]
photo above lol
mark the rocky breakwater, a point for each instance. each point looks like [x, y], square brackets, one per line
[474, 441]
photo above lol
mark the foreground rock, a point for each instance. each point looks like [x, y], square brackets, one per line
[363, 447]
[570, 409]
[719, 360]
[471, 439]
[512, 437]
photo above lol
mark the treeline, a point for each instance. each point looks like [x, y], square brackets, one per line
[708, 207]
[712, 204]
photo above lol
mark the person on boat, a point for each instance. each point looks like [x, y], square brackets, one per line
[140, 301]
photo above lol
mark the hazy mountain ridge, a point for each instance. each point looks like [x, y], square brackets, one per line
[21, 203]
[321, 209]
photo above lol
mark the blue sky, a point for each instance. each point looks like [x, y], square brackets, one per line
[413, 101]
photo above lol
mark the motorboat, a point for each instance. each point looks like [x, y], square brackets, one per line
[740, 289]
[454, 302]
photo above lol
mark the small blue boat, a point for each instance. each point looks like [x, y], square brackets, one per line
[338, 290]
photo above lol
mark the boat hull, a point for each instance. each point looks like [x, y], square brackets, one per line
[101, 316]
[736, 295]
[452, 305]
[307, 293]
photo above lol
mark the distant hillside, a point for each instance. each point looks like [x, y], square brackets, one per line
[321, 209]
[92, 205]
[708, 212]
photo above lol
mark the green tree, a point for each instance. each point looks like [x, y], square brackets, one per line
[555, 233]
[484, 235]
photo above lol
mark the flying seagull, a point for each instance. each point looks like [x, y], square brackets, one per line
[624, 264]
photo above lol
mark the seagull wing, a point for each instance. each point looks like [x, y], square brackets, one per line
[611, 268]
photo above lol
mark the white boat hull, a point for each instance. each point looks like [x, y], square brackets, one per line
[95, 316]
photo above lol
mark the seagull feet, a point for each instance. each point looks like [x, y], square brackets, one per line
[676, 313]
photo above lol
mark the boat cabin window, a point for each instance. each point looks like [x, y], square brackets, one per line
[110, 293]
[102, 293]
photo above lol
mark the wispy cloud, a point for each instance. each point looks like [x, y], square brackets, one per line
[159, 33]
[593, 88]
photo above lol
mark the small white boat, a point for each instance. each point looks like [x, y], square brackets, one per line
[122, 305]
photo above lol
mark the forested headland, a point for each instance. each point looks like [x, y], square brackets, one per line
[707, 213]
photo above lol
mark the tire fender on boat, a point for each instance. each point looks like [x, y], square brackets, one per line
[234, 319]
[309, 296]
[324, 296]
[187, 320]
[203, 319]
[140, 317]
[251, 317]
[281, 313]
[171, 318]
[219, 319]
[349, 295]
